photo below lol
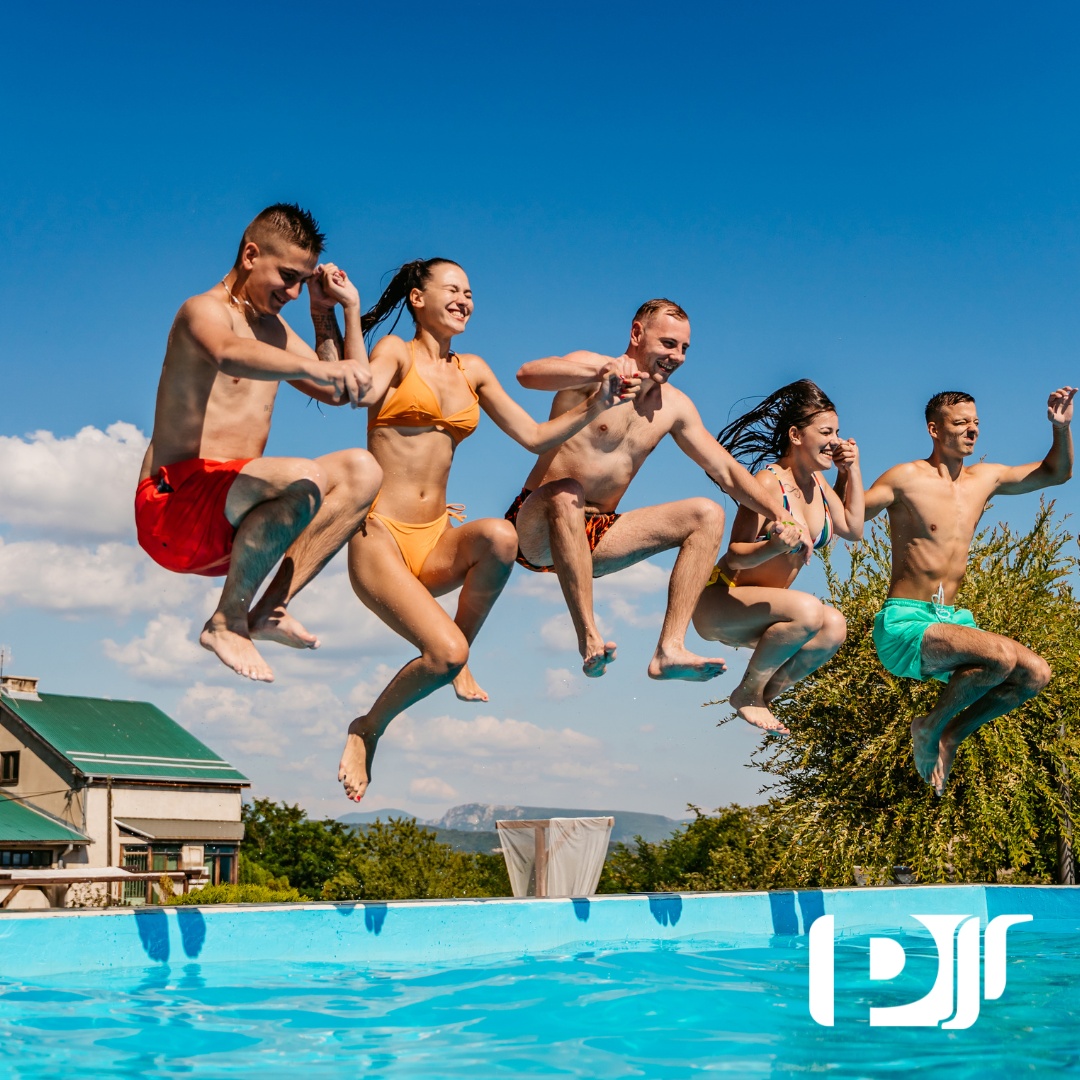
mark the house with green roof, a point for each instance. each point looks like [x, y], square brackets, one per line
[93, 782]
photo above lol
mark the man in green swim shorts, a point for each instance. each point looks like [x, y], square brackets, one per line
[934, 507]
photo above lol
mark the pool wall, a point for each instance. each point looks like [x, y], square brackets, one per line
[37, 943]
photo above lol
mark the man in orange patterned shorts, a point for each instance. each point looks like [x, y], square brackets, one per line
[566, 513]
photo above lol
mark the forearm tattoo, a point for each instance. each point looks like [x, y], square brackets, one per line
[329, 344]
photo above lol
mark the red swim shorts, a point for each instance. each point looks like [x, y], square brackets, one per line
[595, 527]
[180, 515]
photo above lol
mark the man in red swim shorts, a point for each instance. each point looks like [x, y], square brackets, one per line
[208, 502]
[566, 513]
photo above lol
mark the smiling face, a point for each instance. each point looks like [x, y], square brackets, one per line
[443, 306]
[815, 443]
[274, 274]
[955, 428]
[659, 345]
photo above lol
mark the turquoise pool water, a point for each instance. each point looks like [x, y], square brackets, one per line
[673, 1010]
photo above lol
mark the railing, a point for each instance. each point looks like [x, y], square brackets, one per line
[17, 880]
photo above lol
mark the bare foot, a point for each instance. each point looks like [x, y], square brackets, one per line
[228, 640]
[683, 664]
[755, 711]
[942, 767]
[467, 688]
[597, 657]
[924, 746]
[278, 625]
[355, 768]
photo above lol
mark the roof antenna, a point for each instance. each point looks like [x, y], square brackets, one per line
[5, 658]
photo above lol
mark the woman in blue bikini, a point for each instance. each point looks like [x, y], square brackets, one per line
[749, 600]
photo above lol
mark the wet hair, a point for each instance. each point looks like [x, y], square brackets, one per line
[944, 399]
[763, 434]
[288, 221]
[413, 275]
[659, 307]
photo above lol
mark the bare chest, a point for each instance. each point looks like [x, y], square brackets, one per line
[624, 431]
[945, 512]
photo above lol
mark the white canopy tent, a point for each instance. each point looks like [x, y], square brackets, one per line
[557, 856]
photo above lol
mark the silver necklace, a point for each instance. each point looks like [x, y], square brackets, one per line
[237, 300]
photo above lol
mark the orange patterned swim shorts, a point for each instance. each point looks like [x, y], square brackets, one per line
[595, 527]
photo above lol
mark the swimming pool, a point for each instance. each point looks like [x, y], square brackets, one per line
[663, 986]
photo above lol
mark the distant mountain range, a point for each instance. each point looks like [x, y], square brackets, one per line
[471, 826]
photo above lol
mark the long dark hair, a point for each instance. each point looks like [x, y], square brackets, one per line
[762, 435]
[412, 275]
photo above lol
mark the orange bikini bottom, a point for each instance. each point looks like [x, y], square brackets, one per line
[416, 542]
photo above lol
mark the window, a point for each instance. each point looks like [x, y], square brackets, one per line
[165, 857]
[26, 858]
[220, 863]
[9, 767]
[135, 858]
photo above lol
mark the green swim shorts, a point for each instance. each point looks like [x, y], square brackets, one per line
[898, 632]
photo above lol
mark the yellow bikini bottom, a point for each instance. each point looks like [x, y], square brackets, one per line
[416, 542]
[719, 575]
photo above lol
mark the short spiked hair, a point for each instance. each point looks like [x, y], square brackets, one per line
[943, 400]
[659, 307]
[289, 222]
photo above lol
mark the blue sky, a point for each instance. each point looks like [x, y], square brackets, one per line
[882, 198]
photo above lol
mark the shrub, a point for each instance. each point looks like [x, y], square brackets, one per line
[733, 850]
[285, 843]
[238, 894]
[847, 790]
[400, 860]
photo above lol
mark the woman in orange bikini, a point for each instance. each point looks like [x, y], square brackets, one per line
[424, 400]
[749, 600]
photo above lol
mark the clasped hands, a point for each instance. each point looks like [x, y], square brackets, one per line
[790, 535]
[350, 377]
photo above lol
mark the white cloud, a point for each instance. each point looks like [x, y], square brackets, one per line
[642, 577]
[83, 485]
[364, 693]
[485, 736]
[558, 632]
[166, 651]
[431, 788]
[561, 683]
[113, 577]
[510, 754]
[261, 722]
[329, 608]
[628, 613]
[540, 586]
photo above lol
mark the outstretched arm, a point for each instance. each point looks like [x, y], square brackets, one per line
[1056, 467]
[691, 437]
[578, 369]
[610, 389]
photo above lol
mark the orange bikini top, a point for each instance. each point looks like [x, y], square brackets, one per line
[413, 404]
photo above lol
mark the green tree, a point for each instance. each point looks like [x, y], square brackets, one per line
[846, 790]
[400, 860]
[286, 843]
[733, 849]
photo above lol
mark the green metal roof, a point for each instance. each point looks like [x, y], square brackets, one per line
[101, 737]
[18, 823]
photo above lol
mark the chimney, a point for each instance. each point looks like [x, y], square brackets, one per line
[19, 689]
